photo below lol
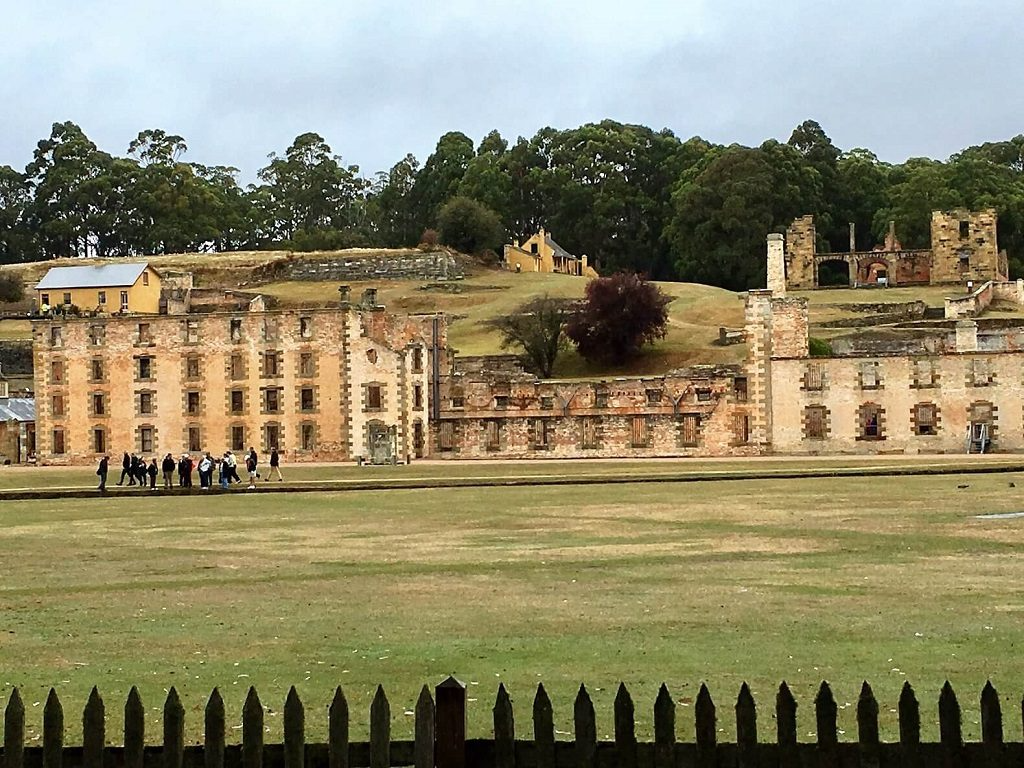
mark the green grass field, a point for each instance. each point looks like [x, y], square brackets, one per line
[885, 579]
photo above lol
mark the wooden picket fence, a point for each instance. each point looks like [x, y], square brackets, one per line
[440, 736]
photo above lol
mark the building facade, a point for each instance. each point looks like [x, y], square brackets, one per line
[107, 288]
[348, 383]
[540, 253]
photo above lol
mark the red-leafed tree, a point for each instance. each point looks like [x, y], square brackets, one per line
[618, 315]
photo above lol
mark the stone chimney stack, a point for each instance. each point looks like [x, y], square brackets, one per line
[853, 237]
[369, 298]
[776, 264]
[966, 336]
[344, 295]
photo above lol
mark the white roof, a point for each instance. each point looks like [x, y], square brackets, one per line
[99, 276]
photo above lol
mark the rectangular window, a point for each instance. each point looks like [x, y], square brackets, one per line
[307, 436]
[192, 367]
[589, 437]
[272, 400]
[689, 429]
[417, 360]
[272, 437]
[236, 329]
[742, 428]
[145, 402]
[269, 329]
[58, 441]
[374, 399]
[739, 389]
[96, 370]
[925, 375]
[458, 402]
[145, 368]
[44, 299]
[192, 331]
[306, 327]
[965, 230]
[306, 399]
[99, 440]
[870, 422]
[57, 372]
[307, 365]
[703, 395]
[192, 402]
[57, 405]
[143, 334]
[271, 364]
[101, 297]
[869, 376]
[195, 439]
[145, 278]
[99, 405]
[237, 401]
[237, 367]
[814, 377]
[601, 399]
[67, 299]
[237, 438]
[146, 439]
[653, 396]
[815, 420]
[540, 433]
[501, 401]
[97, 334]
[638, 432]
[547, 402]
[417, 396]
[446, 436]
[925, 419]
[493, 428]
[980, 373]
[56, 336]
[124, 301]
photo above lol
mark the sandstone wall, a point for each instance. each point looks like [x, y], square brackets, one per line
[801, 243]
[406, 265]
[964, 247]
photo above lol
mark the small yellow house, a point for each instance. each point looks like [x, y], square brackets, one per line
[107, 288]
[541, 253]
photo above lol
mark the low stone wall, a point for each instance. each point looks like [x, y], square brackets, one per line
[1011, 291]
[971, 305]
[410, 265]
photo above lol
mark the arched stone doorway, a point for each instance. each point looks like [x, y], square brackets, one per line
[875, 271]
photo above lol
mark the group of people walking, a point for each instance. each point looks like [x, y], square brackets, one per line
[144, 474]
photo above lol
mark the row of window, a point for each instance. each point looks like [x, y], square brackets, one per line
[871, 420]
[590, 433]
[239, 439]
[101, 296]
[978, 372]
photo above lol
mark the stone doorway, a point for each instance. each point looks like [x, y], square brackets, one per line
[381, 443]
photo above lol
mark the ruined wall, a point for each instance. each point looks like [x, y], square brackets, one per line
[961, 387]
[776, 264]
[704, 412]
[964, 247]
[403, 265]
[226, 380]
[971, 304]
[801, 243]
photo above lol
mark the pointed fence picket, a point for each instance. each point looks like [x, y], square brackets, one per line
[440, 735]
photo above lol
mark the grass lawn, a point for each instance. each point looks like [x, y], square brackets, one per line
[845, 579]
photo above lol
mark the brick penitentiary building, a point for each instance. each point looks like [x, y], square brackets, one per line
[336, 384]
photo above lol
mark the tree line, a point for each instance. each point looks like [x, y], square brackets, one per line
[631, 198]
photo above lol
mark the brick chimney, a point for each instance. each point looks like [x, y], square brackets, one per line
[344, 295]
[369, 298]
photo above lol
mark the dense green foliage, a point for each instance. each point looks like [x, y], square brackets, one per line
[629, 197]
[537, 328]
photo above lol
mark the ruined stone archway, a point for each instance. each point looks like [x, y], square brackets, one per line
[875, 270]
[832, 273]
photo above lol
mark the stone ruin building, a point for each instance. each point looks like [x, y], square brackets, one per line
[963, 249]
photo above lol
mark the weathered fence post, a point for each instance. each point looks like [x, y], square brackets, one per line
[625, 728]
[664, 729]
[706, 728]
[294, 731]
[543, 728]
[423, 750]
[746, 728]
[213, 731]
[991, 725]
[134, 730]
[380, 730]
[337, 730]
[867, 728]
[174, 730]
[94, 731]
[504, 730]
[785, 727]
[950, 733]
[910, 726]
[826, 715]
[252, 730]
[53, 731]
[14, 731]
[450, 724]
[585, 729]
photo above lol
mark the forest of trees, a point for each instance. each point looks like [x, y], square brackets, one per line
[631, 198]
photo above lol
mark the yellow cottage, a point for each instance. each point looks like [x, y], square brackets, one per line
[109, 288]
[541, 253]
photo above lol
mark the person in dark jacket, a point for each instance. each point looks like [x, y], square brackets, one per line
[153, 470]
[275, 465]
[168, 468]
[141, 473]
[102, 472]
[126, 464]
[133, 469]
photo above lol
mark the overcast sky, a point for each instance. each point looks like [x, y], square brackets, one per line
[241, 78]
